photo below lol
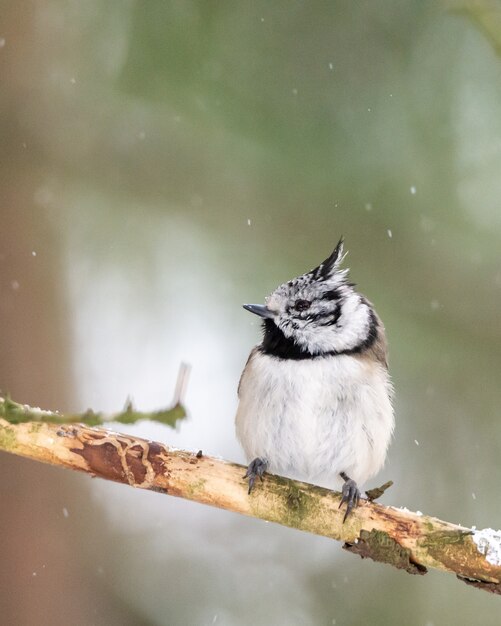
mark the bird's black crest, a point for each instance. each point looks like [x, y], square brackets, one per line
[331, 263]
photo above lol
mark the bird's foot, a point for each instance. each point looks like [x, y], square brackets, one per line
[349, 494]
[256, 469]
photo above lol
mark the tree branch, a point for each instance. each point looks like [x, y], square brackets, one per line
[404, 539]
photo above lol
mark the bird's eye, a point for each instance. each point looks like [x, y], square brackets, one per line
[302, 305]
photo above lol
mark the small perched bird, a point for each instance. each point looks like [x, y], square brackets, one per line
[315, 394]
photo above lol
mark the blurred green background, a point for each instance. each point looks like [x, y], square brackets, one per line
[164, 162]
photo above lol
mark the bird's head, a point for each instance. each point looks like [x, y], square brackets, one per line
[316, 313]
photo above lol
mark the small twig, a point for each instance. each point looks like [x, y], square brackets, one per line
[377, 492]
[181, 384]
[16, 413]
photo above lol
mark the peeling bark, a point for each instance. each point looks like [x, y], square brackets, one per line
[386, 534]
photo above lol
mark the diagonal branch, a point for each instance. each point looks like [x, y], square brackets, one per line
[406, 540]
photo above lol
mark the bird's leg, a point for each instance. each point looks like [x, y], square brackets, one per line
[350, 494]
[256, 468]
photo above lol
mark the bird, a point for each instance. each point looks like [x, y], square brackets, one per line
[315, 396]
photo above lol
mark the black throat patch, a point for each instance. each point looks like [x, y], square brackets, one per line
[276, 344]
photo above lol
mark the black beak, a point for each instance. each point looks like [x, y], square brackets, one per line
[259, 309]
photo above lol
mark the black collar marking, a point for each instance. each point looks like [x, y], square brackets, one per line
[276, 344]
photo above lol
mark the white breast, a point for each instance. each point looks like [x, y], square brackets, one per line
[312, 419]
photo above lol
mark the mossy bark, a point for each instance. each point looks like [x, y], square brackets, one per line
[401, 538]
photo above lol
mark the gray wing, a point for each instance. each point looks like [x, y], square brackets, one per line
[251, 356]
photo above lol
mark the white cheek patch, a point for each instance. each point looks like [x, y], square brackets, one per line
[350, 330]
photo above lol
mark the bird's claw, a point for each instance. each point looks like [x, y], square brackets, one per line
[256, 469]
[349, 494]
